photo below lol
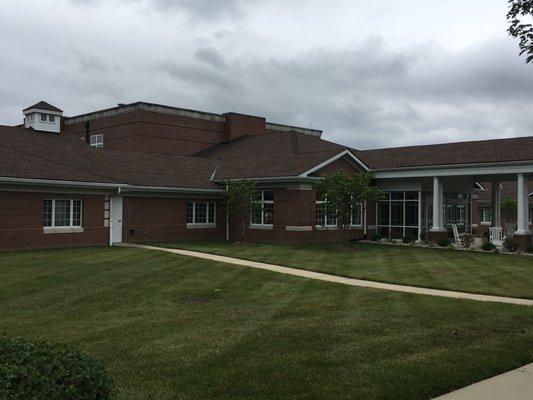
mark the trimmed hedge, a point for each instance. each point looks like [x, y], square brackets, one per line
[376, 237]
[488, 246]
[444, 242]
[42, 370]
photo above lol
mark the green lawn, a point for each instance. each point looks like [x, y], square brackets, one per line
[171, 327]
[497, 274]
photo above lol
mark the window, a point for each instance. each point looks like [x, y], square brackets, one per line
[30, 117]
[322, 218]
[97, 141]
[397, 215]
[201, 213]
[43, 117]
[357, 215]
[485, 216]
[51, 118]
[263, 208]
[61, 213]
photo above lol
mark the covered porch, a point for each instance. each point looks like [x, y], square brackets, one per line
[424, 203]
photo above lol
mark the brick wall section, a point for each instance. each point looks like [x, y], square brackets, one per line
[153, 132]
[21, 226]
[165, 219]
[339, 165]
[292, 208]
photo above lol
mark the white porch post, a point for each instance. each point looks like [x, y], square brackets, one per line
[522, 198]
[496, 207]
[420, 216]
[438, 205]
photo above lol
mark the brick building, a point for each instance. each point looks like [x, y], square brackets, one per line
[141, 172]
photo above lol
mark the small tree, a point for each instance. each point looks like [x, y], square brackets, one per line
[509, 210]
[518, 9]
[240, 198]
[343, 193]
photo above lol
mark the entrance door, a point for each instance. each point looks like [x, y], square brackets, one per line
[116, 219]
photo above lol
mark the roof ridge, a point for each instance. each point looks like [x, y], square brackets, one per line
[448, 143]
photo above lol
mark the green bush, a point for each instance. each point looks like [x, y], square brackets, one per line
[408, 239]
[510, 244]
[40, 370]
[444, 242]
[488, 246]
[376, 237]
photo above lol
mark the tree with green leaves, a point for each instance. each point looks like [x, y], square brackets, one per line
[519, 11]
[240, 198]
[509, 210]
[343, 194]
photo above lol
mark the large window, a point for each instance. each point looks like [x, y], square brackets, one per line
[263, 208]
[97, 141]
[322, 219]
[201, 213]
[397, 214]
[61, 213]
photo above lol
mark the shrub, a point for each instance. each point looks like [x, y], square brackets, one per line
[50, 371]
[408, 239]
[376, 237]
[488, 246]
[468, 240]
[510, 244]
[530, 249]
[444, 242]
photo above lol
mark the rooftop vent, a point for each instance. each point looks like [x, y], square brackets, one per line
[43, 117]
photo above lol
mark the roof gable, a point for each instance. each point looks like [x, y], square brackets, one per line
[43, 105]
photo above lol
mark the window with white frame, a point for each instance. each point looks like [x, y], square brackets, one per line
[323, 219]
[357, 215]
[97, 141]
[397, 214]
[44, 117]
[263, 208]
[62, 213]
[200, 212]
[51, 118]
[485, 215]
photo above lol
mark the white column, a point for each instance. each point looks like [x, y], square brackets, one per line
[419, 215]
[496, 207]
[522, 199]
[438, 194]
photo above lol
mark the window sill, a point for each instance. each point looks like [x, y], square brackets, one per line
[264, 227]
[356, 227]
[485, 223]
[326, 228]
[66, 229]
[201, 226]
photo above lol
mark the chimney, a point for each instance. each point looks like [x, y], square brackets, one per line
[43, 116]
[238, 125]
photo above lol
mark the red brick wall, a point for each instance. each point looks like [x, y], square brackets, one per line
[339, 165]
[154, 132]
[292, 208]
[21, 225]
[165, 219]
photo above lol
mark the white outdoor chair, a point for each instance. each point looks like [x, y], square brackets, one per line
[456, 236]
[496, 236]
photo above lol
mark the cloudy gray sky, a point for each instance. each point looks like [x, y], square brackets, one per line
[370, 74]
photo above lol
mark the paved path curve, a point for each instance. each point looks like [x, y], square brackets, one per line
[337, 279]
[513, 385]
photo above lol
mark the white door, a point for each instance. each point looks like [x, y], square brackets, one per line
[116, 219]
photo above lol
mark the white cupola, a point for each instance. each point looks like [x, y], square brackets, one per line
[43, 117]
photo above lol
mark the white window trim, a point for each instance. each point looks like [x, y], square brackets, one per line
[482, 219]
[262, 202]
[98, 141]
[360, 225]
[202, 225]
[326, 226]
[68, 228]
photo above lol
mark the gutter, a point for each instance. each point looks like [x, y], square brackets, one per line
[451, 166]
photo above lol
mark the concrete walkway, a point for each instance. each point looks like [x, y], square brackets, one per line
[337, 279]
[513, 385]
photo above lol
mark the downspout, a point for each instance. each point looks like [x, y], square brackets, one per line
[364, 221]
[227, 218]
